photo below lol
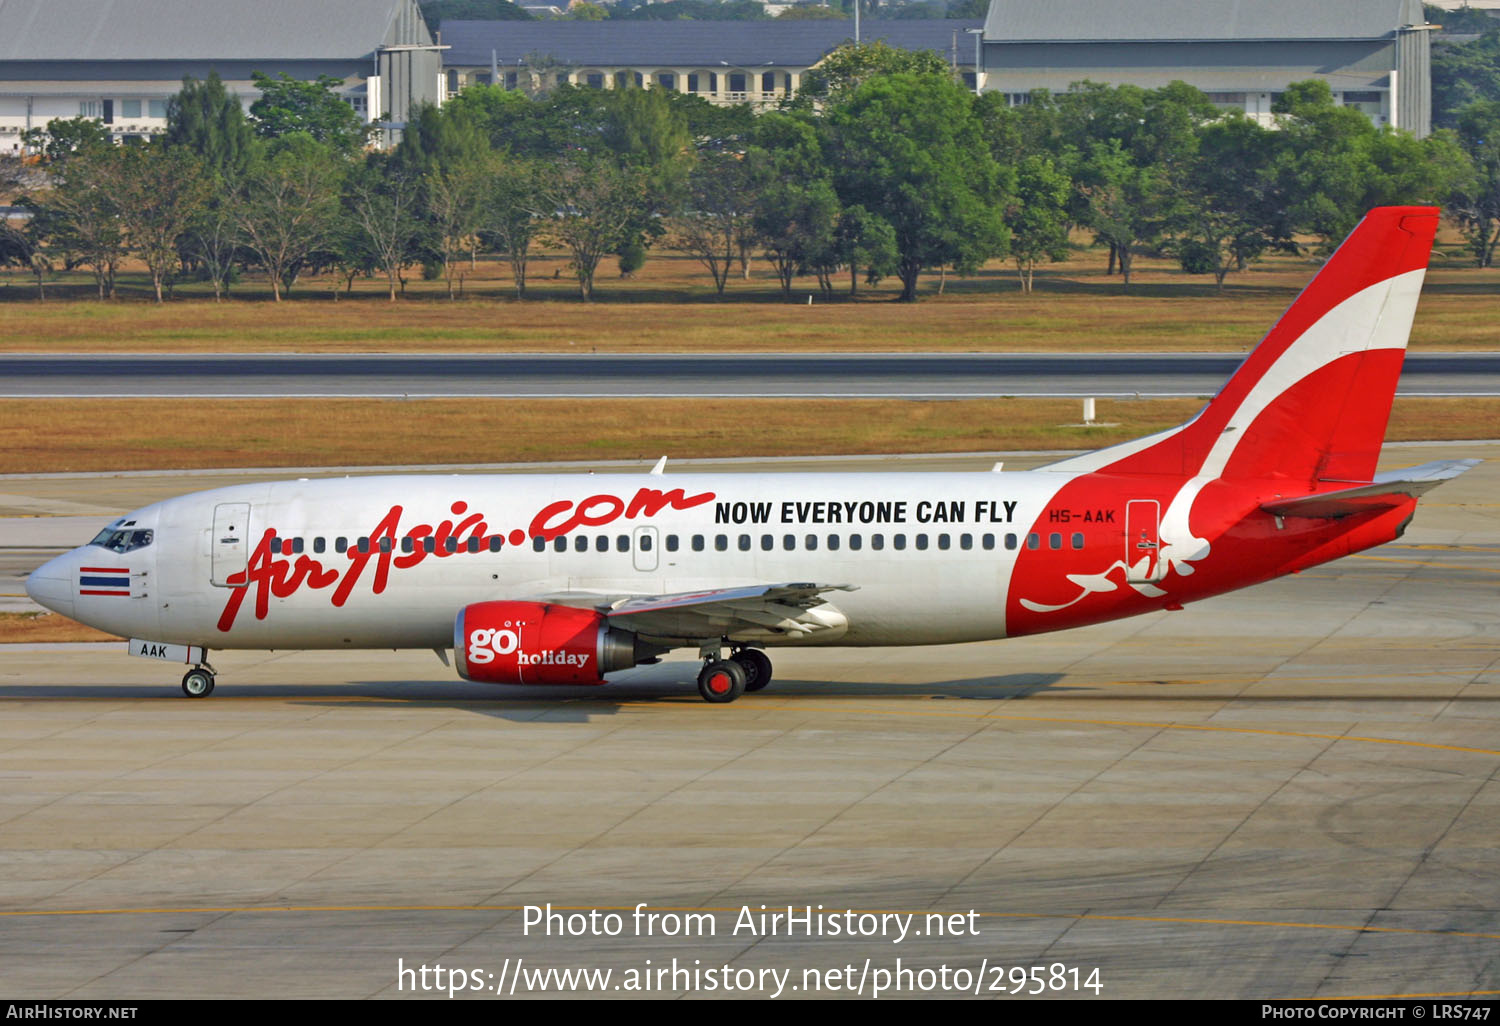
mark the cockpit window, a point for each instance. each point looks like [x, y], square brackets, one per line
[116, 540]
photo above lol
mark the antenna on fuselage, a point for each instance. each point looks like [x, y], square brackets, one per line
[660, 468]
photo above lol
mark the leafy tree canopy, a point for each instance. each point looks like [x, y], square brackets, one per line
[289, 105]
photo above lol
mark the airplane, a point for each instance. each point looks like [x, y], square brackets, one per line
[565, 579]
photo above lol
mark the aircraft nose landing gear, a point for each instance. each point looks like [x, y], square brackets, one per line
[198, 682]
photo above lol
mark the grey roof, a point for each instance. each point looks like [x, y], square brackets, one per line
[109, 30]
[1033, 21]
[709, 44]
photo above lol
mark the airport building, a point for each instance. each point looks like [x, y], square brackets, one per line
[1372, 53]
[120, 60]
[756, 62]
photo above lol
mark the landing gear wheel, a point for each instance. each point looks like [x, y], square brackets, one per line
[722, 680]
[757, 666]
[198, 683]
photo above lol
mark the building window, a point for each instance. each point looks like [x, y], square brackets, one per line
[90, 109]
[667, 80]
[768, 82]
[737, 83]
[693, 84]
[1017, 99]
[594, 80]
[156, 108]
[1227, 99]
[130, 108]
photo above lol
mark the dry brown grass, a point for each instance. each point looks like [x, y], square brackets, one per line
[45, 435]
[670, 307]
[46, 627]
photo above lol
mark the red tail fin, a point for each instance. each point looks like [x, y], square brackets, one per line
[1311, 402]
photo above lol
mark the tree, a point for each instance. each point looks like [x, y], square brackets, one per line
[161, 191]
[853, 63]
[383, 201]
[590, 206]
[1324, 165]
[289, 207]
[456, 200]
[1127, 203]
[81, 212]
[585, 11]
[796, 207]
[1475, 200]
[908, 148]
[509, 212]
[1038, 216]
[288, 106]
[206, 119]
[63, 137]
[718, 214]
[439, 138]
[437, 11]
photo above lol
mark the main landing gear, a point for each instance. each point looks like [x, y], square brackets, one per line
[198, 682]
[724, 680]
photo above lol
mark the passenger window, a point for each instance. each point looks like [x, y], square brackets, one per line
[275, 546]
[810, 543]
[495, 542]
[601, 543]
[407, 544]
[877, 542]
[319, 544]
[833, 543]
[855, 542]
[767, 542]
[1010, 541]
[429, 544]
[539, 544]
[341, 544]
[744, 543]
[697, 543]
[988, 541]
[386, 544]
[297, 546]
[943, 542]
[581, 543]
[1054, 541]
[1033, 541]
[671, 543]
[473, 544]
[966, 541]
[789, 542]
[721, 542]
[364, 544]
[922, 542]
[450, 544]
[645, 542]
[559, 544]
[622, 543]
[898, 541]
[1078, 541]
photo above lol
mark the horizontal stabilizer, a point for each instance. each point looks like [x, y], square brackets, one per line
[1386, 491]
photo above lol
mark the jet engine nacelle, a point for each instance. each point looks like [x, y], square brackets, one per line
[536, 643]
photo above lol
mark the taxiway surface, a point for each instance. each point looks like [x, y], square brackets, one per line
[587, 375]
[1286, 792]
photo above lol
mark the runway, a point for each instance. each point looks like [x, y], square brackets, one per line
[1288, 792]
[776, 375]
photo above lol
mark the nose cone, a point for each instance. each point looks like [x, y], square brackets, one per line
[51, 585]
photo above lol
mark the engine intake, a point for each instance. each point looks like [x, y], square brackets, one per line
[537, 643]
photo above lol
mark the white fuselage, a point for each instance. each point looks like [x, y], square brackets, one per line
[930, 554]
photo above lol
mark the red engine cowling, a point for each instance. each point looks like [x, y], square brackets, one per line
[536, 643]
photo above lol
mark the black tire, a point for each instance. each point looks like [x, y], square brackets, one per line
[757, 666]
[197, 683]
[721, 681]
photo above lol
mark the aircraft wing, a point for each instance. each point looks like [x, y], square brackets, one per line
[752, 612]
[1388, 489]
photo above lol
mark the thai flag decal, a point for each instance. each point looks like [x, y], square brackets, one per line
[99, 580]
